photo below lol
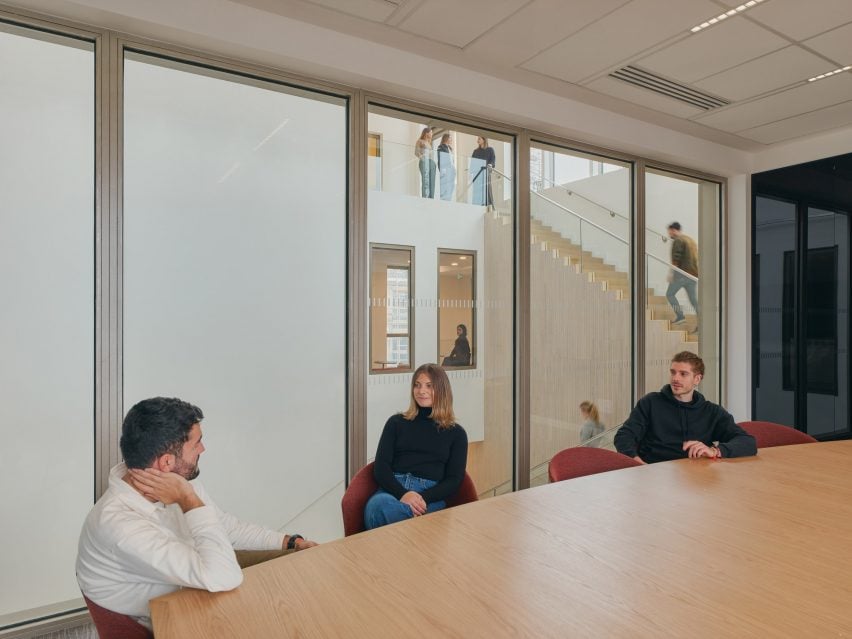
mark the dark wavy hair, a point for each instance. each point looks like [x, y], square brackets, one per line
[154, 427]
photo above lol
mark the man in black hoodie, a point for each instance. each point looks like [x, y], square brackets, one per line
[678, 422]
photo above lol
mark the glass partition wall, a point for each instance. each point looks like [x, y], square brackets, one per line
[47, 321]
[234, 280]
[580, 301]
[682, 269]
[444, 192]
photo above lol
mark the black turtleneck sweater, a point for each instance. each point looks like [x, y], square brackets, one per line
[419, 447]
[660, 424]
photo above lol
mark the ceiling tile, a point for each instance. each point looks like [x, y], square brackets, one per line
[644, 97]
[712, 50]
[458, 23]
[538, 26]
[375, 10]
[768, 73]
[831, 117]
[795, 101]
[620, 36]
[836, 44]
[801, 20]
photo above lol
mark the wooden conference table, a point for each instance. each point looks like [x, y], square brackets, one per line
[754, 547]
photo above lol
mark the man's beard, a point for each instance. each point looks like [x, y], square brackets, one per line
[185, 470]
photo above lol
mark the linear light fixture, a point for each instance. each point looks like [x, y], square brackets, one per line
[726, 15]
[830, 73]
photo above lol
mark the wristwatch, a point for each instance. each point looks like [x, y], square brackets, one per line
[291, 543]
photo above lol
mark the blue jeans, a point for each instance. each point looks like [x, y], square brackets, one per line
[679, 281]
[383, 508]
[427, 177]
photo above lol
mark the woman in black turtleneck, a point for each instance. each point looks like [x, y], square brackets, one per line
[422, 453]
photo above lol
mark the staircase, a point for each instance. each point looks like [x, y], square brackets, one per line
[659, 313]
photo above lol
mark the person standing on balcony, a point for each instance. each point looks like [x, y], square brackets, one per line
[422, 453]
[592, 426]
[447, 167]
[424, 153]
[483, 160]
[678, 422]
[685, 273]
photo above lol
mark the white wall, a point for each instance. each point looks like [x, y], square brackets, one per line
[428, 225]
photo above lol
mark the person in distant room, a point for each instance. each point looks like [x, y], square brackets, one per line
[447, 167]
[592, 426]
[424, 152]
[422, 453]
[685, 261]
[156, 530]
[483, 161]
[678, 422]
[460, 355]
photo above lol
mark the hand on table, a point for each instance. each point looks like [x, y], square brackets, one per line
[301, 544]
[415, 502]
[165, 487]
[696, 449]
[640, 460]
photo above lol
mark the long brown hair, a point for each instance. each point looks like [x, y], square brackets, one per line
[592, 410]
[442, 396]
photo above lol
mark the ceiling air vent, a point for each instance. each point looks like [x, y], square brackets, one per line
[647, 80]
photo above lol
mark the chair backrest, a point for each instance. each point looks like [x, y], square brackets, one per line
[581, 461]
[362, 487]
[114, 625]
[768, 434]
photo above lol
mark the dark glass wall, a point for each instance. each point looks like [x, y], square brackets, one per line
[801, 288]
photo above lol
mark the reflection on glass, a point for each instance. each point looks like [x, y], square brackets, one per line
[682, 262]
[826, 323]
[390, 307]
[456, 308]
[580, 318]
[773, 295]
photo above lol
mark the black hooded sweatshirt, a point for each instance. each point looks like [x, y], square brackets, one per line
[660, 424]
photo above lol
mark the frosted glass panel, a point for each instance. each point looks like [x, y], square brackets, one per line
[46, 318]
[234, 282]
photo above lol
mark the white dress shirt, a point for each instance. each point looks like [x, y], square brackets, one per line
[132, 550]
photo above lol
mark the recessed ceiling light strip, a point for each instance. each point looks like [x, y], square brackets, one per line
[830, 73]
[724, 16]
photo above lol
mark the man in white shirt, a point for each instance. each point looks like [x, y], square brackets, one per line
[156, 530]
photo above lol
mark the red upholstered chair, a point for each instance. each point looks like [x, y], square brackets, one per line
[768, 434]
[362, 487]
[114, 625]
[581, 461]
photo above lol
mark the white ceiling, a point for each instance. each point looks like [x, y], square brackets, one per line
[759, 60]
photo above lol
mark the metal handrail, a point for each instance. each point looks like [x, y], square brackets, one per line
[611, 212]
[577, 215]
[580, 195]
[673, 267]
